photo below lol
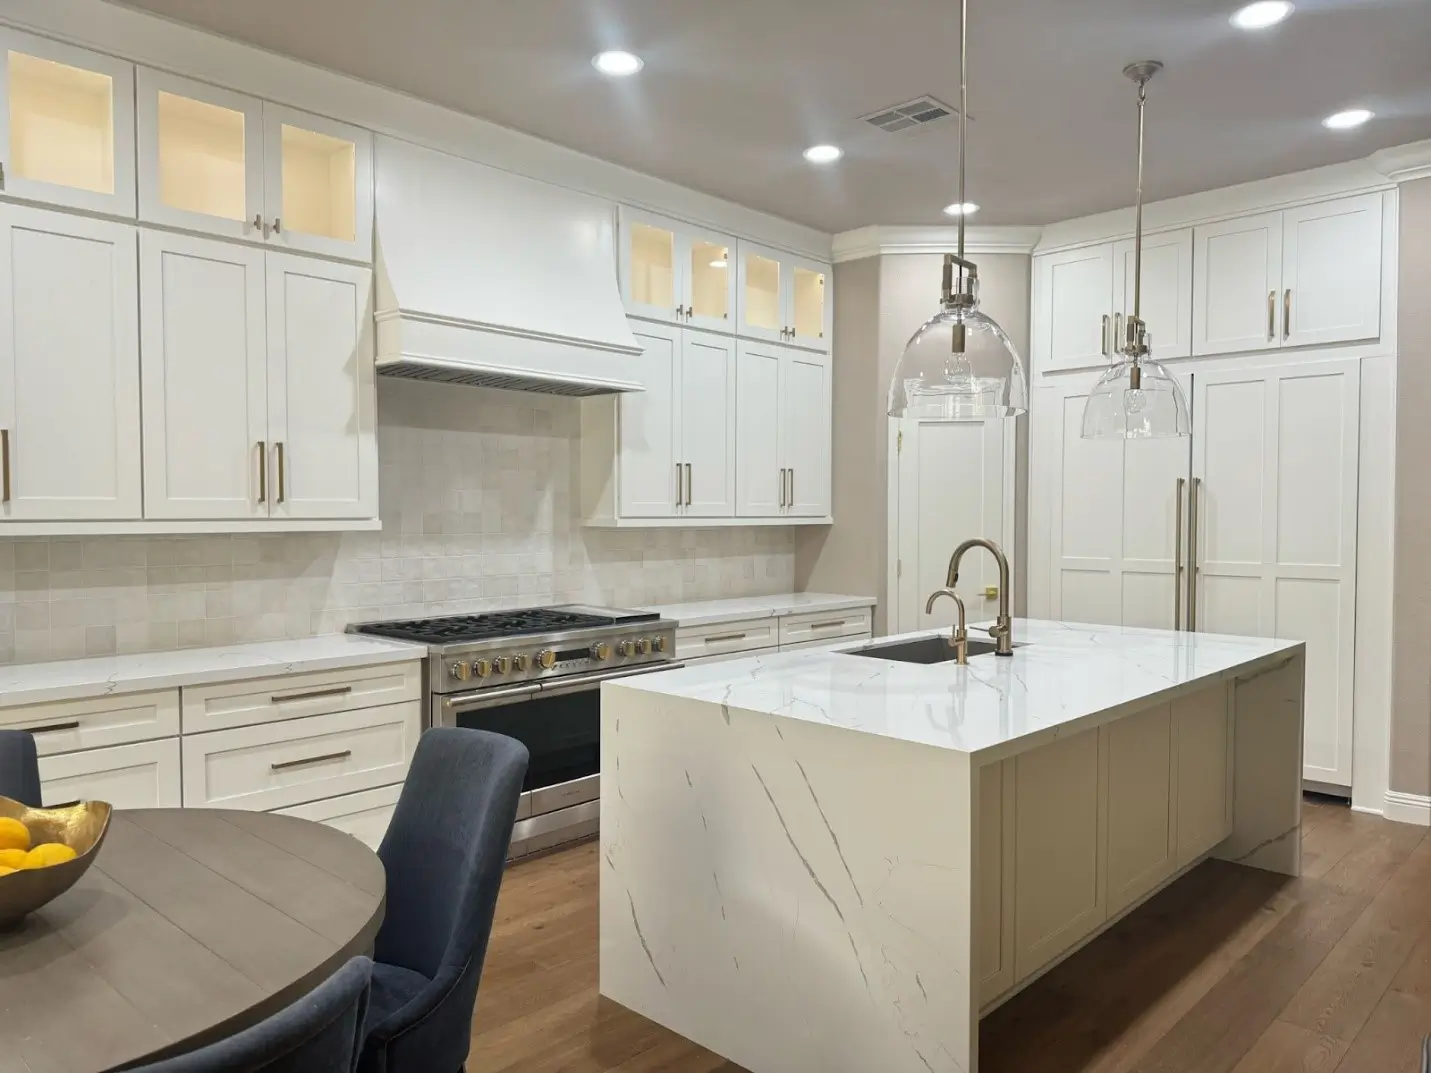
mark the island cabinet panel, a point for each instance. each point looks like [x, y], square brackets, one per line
[1201, 735]
[1142, 829]
[995, 936]
[1060, 814]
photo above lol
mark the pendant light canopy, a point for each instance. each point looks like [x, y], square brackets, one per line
[960, 365]
[1137, 398]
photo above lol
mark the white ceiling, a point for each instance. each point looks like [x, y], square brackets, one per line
[733, 90]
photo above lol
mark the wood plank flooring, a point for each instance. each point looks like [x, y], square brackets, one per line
[1230, 970]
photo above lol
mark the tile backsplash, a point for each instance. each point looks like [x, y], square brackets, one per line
[480, 510]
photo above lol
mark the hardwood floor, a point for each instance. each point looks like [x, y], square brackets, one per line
[1229, 971]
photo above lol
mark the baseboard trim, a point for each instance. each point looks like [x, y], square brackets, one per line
[1408, 808]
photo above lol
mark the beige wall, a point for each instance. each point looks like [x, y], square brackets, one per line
[1411, 655]
[880, 302]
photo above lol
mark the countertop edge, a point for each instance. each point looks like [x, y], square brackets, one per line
[777, 606]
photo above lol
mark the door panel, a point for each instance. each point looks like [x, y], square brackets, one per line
[69, 366]
[759, 467]
[762, 287]
[810, 305]
[1237, 279]
[1077, 300]
[1200, 735]
[707, 423]
[805, 428]
[649, 423]
[318, 184]
[1332, 272]
[1141, 822]
[1167, 290]
[650, 266]
[204, 378]
[709, 282]
[323, 447]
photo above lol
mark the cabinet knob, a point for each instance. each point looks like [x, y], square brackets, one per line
[277, 225]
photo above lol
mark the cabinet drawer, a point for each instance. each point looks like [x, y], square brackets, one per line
[364, 815]
[143, 775]
[796, 629]
[277, 765]
[69, 725]
[826, 644]
[727, 638]
[264, 700]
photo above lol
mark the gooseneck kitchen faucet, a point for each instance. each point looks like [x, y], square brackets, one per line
[1003, 629]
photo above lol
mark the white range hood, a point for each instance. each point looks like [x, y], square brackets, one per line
[490, 278]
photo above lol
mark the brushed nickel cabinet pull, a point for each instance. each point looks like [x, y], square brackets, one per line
[679, 486]
[282, 476]
[286, 764]
[5, 463]
[1103, 338]
[688, 484]
[2, 175]
[792, 486]
[258, 224]
[262, 471]
[1271, 315]
[1178, 557]
[717, 638]
[311, 694]
[1192, 554]
[1117, 332]
[782, 486]
[50, 728]
[1287, 313]
[277, 225]
[832, 624]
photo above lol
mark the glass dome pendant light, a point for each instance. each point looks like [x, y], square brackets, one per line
[1137, 398]
[960, 365]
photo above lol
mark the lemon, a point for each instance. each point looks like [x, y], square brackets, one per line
[13, 834]
[13, 858]
[48, 853]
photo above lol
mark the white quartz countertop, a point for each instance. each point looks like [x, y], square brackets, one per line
[1062, 676]
[36, 683]
[714, 612]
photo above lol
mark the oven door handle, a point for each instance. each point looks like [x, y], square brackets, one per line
[587, 682]
[488, 698]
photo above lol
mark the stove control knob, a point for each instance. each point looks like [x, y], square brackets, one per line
[461, 671]
[643, 646]
[522, 663]
[502, 664]
[546, 659]
[600, 651]
[661, 644]
[626, 648]
[481, 667]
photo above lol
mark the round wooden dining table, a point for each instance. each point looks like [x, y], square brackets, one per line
[190, 925]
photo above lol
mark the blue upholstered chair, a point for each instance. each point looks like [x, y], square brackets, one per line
[444, 852]
[19, 767]
[317, 1034]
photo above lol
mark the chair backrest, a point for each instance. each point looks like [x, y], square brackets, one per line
[446, 847]
[19, 767]
[320, 1033]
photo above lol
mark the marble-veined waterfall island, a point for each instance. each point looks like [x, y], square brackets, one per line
[833, 862]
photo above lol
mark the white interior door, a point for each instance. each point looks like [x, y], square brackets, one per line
[650, 485]
[952, 483]
[1076, 302]
[1237, 280]
[69, 366]
[805, 428]
[707, 424]
[204, 378]
[1331, 272]
[322, 440]
[759, 467]
[1275, 452]
[1167, 290]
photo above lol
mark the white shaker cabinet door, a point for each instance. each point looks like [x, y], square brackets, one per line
[1166, 291]
[322, 441]
[759, 467]
[1237, 279]
[708, 424]
[805, 428]
[318, 184]
[1331, 272]
[1074, 308]
[204, 378]
[69, 367]
[651, 485]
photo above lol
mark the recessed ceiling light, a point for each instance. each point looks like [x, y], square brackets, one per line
[1352, 117]
[617, 64]
[823, 154]
[968, 208]
[1261, 15]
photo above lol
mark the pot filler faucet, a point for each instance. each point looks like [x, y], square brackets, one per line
[1003, 629]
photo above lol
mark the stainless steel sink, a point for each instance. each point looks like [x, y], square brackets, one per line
[921, 650]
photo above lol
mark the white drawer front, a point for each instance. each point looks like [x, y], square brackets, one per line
[275, 765]
[364, 815]
[68, 725]
[797, 629]
[727, 638]
[144, 775]
[263, 700]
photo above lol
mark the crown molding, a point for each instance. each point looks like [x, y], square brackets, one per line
[877, 241]
[1403, 163]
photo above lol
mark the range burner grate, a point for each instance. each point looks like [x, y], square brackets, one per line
[458, 629]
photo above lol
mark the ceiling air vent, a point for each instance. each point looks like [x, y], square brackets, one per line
[911, 115]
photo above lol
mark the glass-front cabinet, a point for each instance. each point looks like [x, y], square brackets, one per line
[673, 272]
[784, 298]
[237, 167]
[66, 125]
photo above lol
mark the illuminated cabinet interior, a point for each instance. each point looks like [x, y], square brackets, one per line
[808, 320]
[319, 183]
[653, 266]
[202, 157]
[674, 272]
[784, 298]
[761, 293]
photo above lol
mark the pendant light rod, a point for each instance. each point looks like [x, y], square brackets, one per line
[1140, 73]
[963, 112]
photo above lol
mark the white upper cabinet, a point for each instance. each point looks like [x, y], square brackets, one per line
[318, 184]
[200, 157]
[675, 272]
[321, 427]
[805, 431]
[1073, 315]
[1308, 276]
[66, 125]
[204, 377]
[782, 432]
[69, 367]
[1167, 291]
[650, 475]
[783, 298]
[707, 426]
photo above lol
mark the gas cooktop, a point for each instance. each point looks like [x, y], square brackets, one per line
[495, 625]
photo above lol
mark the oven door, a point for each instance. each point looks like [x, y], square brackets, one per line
[559, 721]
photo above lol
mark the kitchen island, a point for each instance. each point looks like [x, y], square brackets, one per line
[823, 861]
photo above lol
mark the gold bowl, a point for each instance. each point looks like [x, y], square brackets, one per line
[81, 826]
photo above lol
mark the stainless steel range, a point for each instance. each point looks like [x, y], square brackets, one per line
[535, 675]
